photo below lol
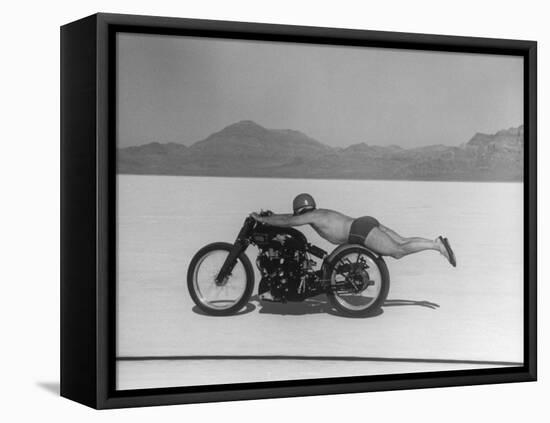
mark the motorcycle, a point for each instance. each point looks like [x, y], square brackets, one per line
[220, 277]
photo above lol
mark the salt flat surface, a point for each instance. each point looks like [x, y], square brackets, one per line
[172, 373]
[433, 312]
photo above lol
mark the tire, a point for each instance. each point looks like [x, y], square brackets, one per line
[210, 307]
[376, 268]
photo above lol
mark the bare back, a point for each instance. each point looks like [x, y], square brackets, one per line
[331, 225]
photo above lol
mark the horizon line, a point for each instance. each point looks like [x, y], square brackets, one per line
[320, 142]
[176, 175]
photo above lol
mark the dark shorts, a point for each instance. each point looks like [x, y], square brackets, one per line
[360, 228]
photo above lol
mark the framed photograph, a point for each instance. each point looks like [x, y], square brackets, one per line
[256, 211]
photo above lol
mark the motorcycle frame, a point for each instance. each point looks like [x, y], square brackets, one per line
[244, 239]
[88, 210]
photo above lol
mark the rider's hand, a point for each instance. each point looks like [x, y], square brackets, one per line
[256, 216]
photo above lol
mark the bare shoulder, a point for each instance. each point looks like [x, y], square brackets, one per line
[328, 214]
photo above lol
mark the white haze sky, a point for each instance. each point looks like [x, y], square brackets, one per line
[182, 89]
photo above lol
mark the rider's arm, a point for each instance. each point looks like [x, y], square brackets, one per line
[284, 220]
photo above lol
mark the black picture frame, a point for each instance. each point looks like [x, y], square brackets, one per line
[88, 197]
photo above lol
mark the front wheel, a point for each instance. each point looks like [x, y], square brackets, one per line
[359, 281]
[219, 299]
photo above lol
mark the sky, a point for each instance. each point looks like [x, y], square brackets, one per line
[182, 89]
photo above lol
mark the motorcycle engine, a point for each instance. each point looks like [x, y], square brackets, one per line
[284, 269]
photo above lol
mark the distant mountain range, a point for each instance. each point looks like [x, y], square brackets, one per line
[248, 149]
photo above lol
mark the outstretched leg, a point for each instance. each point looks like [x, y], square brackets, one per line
[380, 241]
[398, 238]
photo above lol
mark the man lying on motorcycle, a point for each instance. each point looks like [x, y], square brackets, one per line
[338, 228]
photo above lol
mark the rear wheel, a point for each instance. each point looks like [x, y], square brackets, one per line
[227, 297]
[359, 281]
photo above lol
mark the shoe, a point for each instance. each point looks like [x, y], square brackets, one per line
[450, 253]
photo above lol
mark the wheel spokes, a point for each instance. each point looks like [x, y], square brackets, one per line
[210, 293]
[354, 287]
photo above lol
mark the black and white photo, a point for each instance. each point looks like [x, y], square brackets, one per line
[388, 152]
[257, 211]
